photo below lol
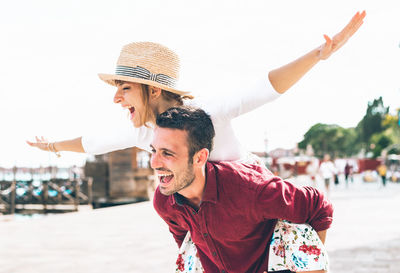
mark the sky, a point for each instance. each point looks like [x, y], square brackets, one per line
[51, 52]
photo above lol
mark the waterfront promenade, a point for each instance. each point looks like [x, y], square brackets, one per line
[365, 237]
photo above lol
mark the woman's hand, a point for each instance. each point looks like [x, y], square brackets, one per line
[284, 77]
[332, 45]
[41, 143]
[71, 145]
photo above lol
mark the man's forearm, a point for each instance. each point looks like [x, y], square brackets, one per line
[322, 235]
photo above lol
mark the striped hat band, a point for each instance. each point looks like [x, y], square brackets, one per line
[142, 73]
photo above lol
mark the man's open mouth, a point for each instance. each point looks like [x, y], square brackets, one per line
[165, 178]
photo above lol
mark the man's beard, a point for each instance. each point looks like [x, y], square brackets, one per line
[181, 182]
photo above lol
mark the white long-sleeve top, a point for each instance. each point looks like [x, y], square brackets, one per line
[222, 111]
[327, 169]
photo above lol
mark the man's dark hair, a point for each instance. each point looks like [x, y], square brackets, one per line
[194, 121]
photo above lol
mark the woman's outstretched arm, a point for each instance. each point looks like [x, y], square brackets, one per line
[286, 76]
[111, 137]
[71, 145]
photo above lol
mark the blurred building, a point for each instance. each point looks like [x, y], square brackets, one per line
[120, 177]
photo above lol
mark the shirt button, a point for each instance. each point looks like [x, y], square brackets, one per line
[194, 213]
[223, 271]
[205, 234]
[214, 253]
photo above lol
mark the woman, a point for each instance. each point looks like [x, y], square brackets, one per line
[146, 78]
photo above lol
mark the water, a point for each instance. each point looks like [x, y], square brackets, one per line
[24, 217]
[23, 176]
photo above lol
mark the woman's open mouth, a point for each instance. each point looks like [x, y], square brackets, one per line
[131, 112]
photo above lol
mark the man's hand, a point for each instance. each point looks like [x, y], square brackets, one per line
[332, 45]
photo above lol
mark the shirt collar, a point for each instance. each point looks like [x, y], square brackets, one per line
[178, 199]
[210, 189]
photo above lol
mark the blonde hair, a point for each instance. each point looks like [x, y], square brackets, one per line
[148, 114]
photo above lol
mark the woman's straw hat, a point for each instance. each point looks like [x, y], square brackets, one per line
[148, 63]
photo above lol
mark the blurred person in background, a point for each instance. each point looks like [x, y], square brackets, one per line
[312, 170]
[348, 173]
[327, 171]
[382, 171]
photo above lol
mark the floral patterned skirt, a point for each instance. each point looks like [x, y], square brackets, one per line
[294, 247]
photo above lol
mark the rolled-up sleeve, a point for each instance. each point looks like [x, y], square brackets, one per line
[278, 199]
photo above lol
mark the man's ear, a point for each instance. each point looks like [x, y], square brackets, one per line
[155, 92]
[200, 158]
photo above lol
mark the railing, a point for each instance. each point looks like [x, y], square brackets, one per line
[45, 195]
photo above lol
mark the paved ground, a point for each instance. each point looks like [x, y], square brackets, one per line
[373, 258]
[365, 237]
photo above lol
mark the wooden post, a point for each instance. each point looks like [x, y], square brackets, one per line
[134, 162]
[59, 191]
[31, 171]
[13, 193]
[90, 191]
[45, 194]
[13, 196]
[41, 172]
[30, 191]
[53, 172]
[30, 187]
[77, 189]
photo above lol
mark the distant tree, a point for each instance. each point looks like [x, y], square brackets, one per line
[392, 122]
[350, 146]
[386, 138]
[315, 136]
[376, 131]
[372, 121]
[379, 141]
[330, 139]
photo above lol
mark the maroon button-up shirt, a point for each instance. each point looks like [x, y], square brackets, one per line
[241, 204]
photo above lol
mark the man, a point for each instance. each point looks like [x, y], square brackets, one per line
[229, 208]
[382, 170]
